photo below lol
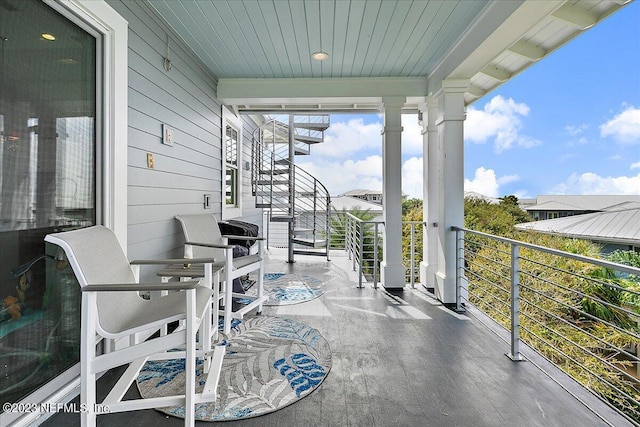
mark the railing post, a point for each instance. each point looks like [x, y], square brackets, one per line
[412, 265]
[515, 304]
[361, 253]
[459, 268]
[375, 255]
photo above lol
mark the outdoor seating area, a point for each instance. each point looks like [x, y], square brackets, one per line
[171, 257]
[112, 309]
[388, 357]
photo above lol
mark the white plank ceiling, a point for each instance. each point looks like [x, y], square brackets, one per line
[249, 43]
[275, 38]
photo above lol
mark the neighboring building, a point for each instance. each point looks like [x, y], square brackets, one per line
[474, 195]
[561, 206]
[373, 196]
[616, 228]
[352, 203]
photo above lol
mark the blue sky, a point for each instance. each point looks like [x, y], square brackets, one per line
[569, 124]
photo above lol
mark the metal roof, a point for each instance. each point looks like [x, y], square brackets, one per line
[616, 226]
[597, 202]
[260, 51]
[350, 203]
[362, 192]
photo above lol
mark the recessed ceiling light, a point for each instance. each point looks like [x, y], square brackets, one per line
[48, 36]
[320, 56]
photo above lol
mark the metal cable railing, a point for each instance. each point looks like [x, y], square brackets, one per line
[581, 313]
[363, 245]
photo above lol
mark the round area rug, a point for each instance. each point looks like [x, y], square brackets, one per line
[286, 288]
[270, 363]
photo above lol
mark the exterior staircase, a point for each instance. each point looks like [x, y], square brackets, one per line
[289, 193]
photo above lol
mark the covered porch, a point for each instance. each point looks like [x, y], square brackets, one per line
[174, 84]
[403, 359]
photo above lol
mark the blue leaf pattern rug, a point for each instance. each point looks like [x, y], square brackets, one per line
[270, 363]
[287, 288]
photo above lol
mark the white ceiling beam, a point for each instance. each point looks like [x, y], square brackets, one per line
[499, 26]
[496, 73]
[317, 90]
[528, 50]
[476, 91]
[575, 16]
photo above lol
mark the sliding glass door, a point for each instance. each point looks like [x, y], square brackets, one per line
[48, 154]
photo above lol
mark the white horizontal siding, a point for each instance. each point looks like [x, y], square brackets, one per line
[183, 99]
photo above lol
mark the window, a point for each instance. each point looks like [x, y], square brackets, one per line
[232, 172]
[552, 215]
[231, 166]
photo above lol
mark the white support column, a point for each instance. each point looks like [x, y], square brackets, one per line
[430, 192]
[450, 125]
[391, 268]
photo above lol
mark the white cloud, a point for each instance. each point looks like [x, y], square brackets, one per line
[576, 130]
[624, 127]
[579, 141]
[340, 177]
[591, 183]
[507, 179]
[412, 178]
[635, 165]
[484, 182]
[500, 120]
[411, 135]
[343, 139]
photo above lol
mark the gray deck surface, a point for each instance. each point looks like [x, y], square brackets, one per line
[403, 360]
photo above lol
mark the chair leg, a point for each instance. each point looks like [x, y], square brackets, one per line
[260, 285]
[228, 291]
[190, 360]
[87, 354]
[205, 323]
[216, 307]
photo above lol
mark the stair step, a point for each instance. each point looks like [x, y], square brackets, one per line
[302, 152]
[277, 192]
[308, 139]
[281, 218]
[310, 242]
[263, 205]
[314, 253]
[312, 126]
[274, 182]
[302, 231]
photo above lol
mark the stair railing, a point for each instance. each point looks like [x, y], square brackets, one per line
[275, 178]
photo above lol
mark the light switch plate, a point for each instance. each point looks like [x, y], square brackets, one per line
[167, 135]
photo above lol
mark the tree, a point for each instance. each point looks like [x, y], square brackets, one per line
[494, 218]
[412, 211]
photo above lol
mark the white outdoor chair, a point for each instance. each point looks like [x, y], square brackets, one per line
[204, 240]
[112, 309]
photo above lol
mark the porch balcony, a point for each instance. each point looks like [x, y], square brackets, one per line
[401, 358]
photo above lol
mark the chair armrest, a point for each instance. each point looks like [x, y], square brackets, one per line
[210, 245]
[172, 261]
[154, 286]
[231, 236]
